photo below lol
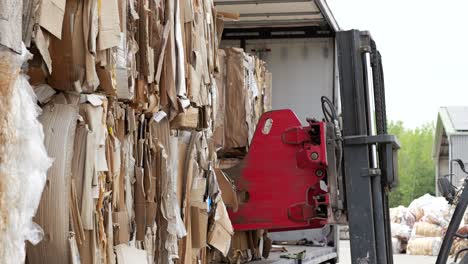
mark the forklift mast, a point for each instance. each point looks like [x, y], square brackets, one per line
[369, 153]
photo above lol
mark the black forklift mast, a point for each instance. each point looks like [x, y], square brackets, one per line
[369, 153]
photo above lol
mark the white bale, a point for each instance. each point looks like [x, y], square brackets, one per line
[428, 246]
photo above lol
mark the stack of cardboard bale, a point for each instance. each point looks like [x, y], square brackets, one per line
[419, 228]
[133, 117]
[246, 88]
[427, 234]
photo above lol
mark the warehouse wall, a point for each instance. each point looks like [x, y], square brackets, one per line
[442, 169]
[302, 71]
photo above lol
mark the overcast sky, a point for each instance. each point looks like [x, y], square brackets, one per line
[424, 45]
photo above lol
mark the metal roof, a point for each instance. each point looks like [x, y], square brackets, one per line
[277, 13]
[451, 120]
[459, 117]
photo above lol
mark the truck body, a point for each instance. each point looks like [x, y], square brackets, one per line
[310, 58]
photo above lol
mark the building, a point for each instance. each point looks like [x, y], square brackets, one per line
[451, 142]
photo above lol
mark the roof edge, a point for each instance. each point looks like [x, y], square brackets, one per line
[443, 123]
[446, 121]
[327, 14]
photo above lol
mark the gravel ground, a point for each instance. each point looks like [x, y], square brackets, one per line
[345, 256]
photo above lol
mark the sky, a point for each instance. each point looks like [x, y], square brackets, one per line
[424, 47]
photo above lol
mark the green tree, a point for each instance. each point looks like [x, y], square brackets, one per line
[415, 165]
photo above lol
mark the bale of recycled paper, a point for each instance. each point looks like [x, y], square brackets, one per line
[246, 88]
[417, 212]
[437, 217]
[430, 209]
[428, 246]
[424, 229]
[457, 245]
[402, 215]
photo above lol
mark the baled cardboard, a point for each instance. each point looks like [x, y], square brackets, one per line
[135, 174]
[235, 125]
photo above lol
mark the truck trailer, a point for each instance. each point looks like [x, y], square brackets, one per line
[326, 159]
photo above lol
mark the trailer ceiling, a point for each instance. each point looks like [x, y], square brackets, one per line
[278, 13]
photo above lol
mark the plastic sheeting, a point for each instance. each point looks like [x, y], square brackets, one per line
[401, 231]
[401, 215]
[25, 161]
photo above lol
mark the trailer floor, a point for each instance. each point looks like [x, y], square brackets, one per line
[314, 255]
[327, 253]
[345, 256]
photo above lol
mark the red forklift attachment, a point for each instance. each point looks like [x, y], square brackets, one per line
[281, 183]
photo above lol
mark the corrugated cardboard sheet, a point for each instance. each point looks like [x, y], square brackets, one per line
[219, 105]
[59, 122]
[235, 122]
[51, 16]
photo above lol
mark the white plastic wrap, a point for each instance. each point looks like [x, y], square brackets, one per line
[402, 215]
[428, 203]
[401, 231]
[23, 173]
[436, 209]
[441, 218]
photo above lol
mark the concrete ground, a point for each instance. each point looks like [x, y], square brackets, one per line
[345, 256]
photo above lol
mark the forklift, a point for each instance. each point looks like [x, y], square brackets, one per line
[328, 159]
